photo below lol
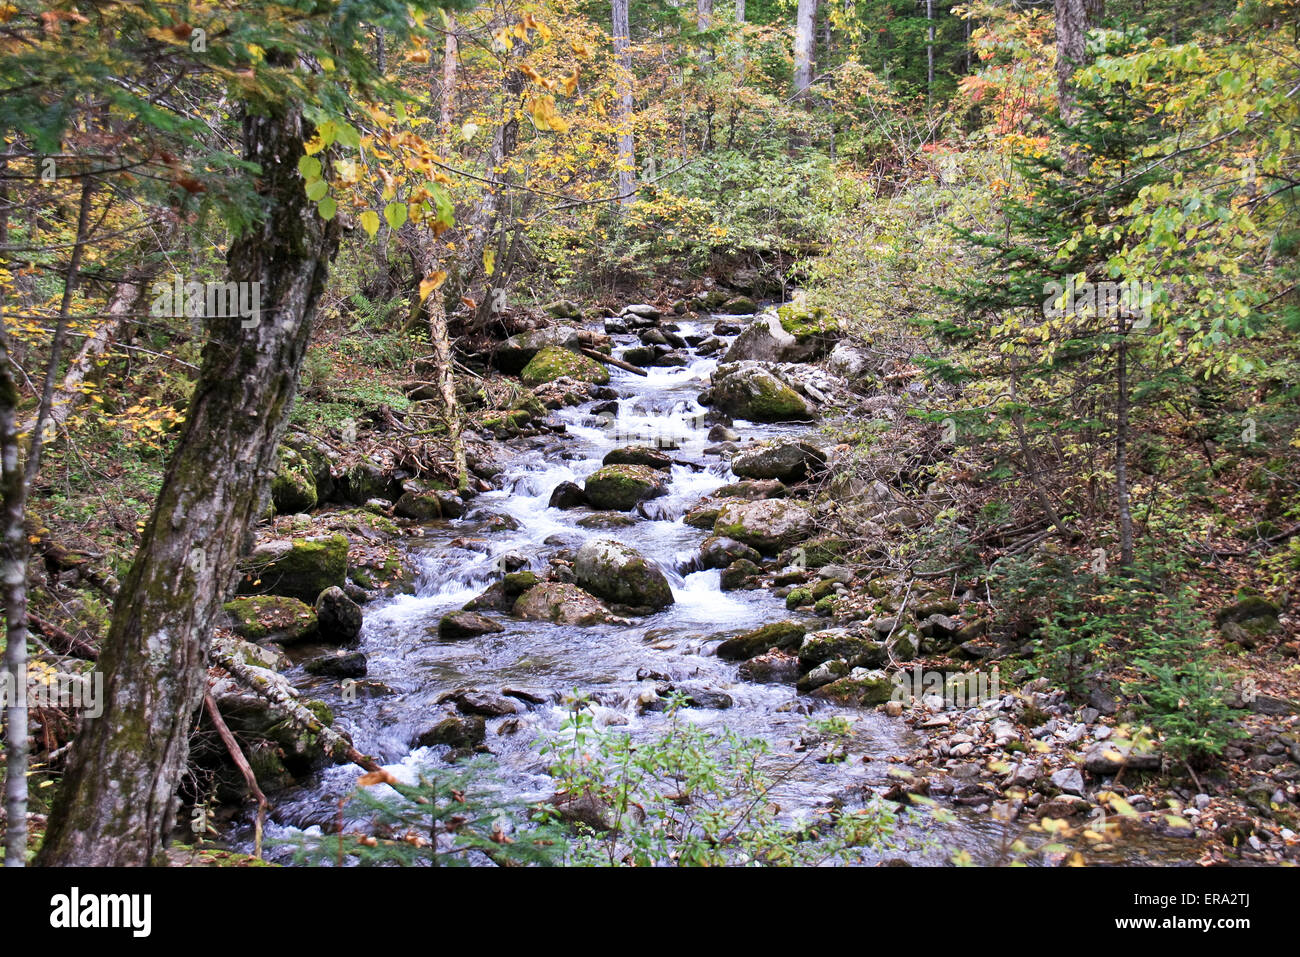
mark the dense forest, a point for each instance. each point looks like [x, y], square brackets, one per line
[570, 432]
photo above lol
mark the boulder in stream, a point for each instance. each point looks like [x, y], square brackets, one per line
[750, 390]
[619, 573]
[562, 604]
[769, 524]
[622, 487]
[786, 461]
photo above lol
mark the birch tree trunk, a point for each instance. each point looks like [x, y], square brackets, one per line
[740, 11]
[118, 799]
[447, 99]
[804, 38]
[623, 99]
[1071, 51]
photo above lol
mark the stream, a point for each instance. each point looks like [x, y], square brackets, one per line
[457, 559]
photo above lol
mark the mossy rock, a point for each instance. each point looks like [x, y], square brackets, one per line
[561, 603]
[293, 489]
[747, 390]
[271, 618]
[703, 517]
[857, 651]
[768, 525]
[807, 324]
[860, 688]
[797, 597]
[619, 573]
[622, 487]
[740, 574]
[786, 635]
[302, 568]
[553, 362]
[639, 455]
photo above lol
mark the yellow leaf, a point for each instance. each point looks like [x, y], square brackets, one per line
[431, 282]
[489, 259]
[370, 222]
[570, 82]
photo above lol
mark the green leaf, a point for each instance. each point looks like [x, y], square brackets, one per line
[395, 213]
[327, 208]
[317, 189]
[309, 167]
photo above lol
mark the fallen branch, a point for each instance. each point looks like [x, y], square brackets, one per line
[64, 642]
[237, 755]
[610, 360]
[284, 698]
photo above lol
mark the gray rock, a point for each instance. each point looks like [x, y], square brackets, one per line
[785, 461]
[1070, 781]
[619, 573]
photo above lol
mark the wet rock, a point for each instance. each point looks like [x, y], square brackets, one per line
[338, 615]
[782, 635]
[350, 664]
[293, 489]
[1107, 758]
[567, 495]
[365, 481]
[1069, 781]
[466, 624]
[857, 651]
[784, 461]
[555, 362]
[702, 517]
[642, 310]
[471, 701]
[748, 390]
[752, 489]
[719, 552]
[606, 520]
[561, 603]
[301, 568]
[773, 667]
[456, 732]
[740, 575]
[720, 433]
[768, 525]
[517, 351]
[623, 487]
[271, 618]
[427, 505]
[764, 340]
[822, 675]
[860, 688]
[639, 355]
[694, 697]
[638, 455]
[619, 573]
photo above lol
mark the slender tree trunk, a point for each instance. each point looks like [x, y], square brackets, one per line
[16, 549]
[929, 51]
[118, 799]
[804, 42]
[740, 11]
[447, 100]
[623, 92]
[704, 23]
[1071, 51]
[1121, 449]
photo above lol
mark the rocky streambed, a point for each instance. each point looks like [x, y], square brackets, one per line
[669, 533]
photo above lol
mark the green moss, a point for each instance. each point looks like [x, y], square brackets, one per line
[552, 362]
[293, 489]
[261, 616]
[621, 487]
[305, 570]
[800, 596]
[804, 323]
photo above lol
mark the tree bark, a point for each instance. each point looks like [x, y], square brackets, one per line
[740, 11]
[117, 802]
[447, 98]
[1071, 51]
[804, 40]
[623, 99]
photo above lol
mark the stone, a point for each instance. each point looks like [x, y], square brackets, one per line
[785, 461]
[301, 568]
[622, 487]
[748, 390]
[1108, 758]
[719, 552]
[567, 495]
[619, 573]
[338, 615]
[1069, 781]
[466, 624]
[516, 352]
[768, 525]
[763, 340]
[272, 618]
[455, 732]
[562, 604]
[860, 688]
[638, 455]
[344, 665]
[856, 651]
[783, 635]
[553, 362]
[740, 575]
[293, 489]
[772, 667]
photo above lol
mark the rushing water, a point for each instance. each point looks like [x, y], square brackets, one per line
[458, 559]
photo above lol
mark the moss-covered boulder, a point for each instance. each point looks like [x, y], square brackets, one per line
[622, 487]
[619, 573]
[271, 618]
[858, 651]
[785, 635]
[364, 481]
[339, 616]
[552, 362]
[561, 603]
[860, 688]
[742, 574]
[814, 329]
[785, 461]
[301, 568]
[639, 455]
[704, 516]
[516, 352]
[768, 525]
[749, 390]
[293, 489]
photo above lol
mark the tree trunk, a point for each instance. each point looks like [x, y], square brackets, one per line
[16, 548]
[447, 100]
[1121, 449]
[623, 112]
[118, 799]
[1071, 51]
[740, 11]
[804, 39]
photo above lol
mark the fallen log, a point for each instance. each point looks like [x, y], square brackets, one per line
[610, 360]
